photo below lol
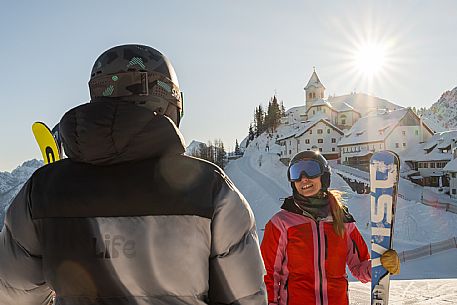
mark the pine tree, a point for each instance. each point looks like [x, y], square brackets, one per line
[283, 109]
[237, 148]
[212, 152]
[220, 153]
[273, 116]
[259, 121]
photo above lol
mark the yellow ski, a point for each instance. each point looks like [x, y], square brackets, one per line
[46, 142]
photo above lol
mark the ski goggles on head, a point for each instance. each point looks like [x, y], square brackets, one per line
[309, 168]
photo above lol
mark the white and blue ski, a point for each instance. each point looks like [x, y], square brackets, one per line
[384, 173]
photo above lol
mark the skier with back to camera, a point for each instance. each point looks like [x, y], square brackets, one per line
[307, 245]
[127, 218]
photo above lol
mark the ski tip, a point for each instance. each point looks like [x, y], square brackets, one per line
[385, 156]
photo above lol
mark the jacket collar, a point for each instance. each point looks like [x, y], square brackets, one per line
[104, 133]
[290, 206]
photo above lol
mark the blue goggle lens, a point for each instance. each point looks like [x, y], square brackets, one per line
[309, 168]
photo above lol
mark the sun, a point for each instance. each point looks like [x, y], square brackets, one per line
[369, 59]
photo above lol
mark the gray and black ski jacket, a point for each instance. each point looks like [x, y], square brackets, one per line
[128, 219]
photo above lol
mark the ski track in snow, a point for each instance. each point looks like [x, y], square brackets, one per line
[263, 186]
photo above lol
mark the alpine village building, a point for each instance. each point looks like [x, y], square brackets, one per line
[349, 128]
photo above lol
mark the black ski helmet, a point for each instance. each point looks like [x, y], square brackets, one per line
[138, 74]
[314, 155]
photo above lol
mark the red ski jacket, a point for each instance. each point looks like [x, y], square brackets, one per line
[306, 260]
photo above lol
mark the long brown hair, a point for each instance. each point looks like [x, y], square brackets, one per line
[337, 210]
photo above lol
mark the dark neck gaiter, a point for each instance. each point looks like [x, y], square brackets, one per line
[316, 206]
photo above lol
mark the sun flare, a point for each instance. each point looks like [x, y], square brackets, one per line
[369, 59]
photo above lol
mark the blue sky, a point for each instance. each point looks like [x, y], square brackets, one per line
[230, 56]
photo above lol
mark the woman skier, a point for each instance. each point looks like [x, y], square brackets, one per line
[307, 245]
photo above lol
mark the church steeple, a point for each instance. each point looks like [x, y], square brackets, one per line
[314, 90]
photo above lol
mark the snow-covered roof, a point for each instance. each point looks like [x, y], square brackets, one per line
[361, 102]
[340, 107]
[304, 127]
[321, 102]
[451, 166]
[430, 150]
[296, 110]
[287, 136]
[320, 117]
[314, 82]
[433, 124]
[445, 144]
[373, 128]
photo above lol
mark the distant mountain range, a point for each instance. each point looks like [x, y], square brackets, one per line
[443, 112]
[11, 183]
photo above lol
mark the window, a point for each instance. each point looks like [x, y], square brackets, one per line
[453, 175]
[397, 145]
[425, 165]
[419, 165]
[290, 152]
[320, 149]
[403, 133]
[290, 142]
[325, 111]
[306, 141]
[333, 140]
[320, 140]
[453, 191]
[314, 112]
[432, 165]
[310, 95]
[328, 130]
[333, 148]
[417, 132]
[310, 131]
[380, 146]
[404, 144]
[343, 122]
[314, 95]
[320, 131]
[298, 141]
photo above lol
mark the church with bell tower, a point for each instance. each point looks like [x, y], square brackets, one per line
[314, 90]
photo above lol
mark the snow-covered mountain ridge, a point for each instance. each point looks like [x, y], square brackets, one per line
[11, 183]
[444, 111]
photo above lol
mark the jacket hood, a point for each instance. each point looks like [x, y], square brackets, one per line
[109, 132]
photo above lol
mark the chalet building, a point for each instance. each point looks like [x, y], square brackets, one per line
[316, 134]
[429, 161]
[294, 116]
[451, 170]
[390, 130]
